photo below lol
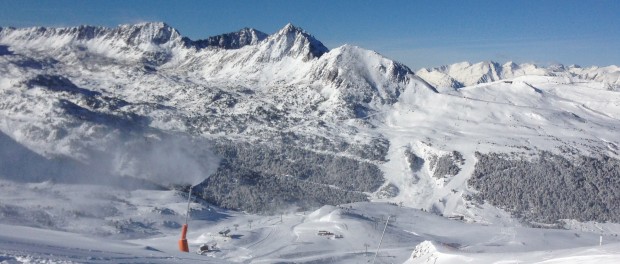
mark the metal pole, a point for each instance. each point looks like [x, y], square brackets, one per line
[600, 241]
[189, 197]
[380, 241]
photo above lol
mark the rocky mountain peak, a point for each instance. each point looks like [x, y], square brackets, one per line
[233, 40]
[295, 42]
[150, 32]
[290, 28]
[510, 64]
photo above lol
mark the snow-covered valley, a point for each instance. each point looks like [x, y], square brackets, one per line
[103, 130]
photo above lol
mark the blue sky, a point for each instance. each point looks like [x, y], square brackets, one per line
[417, 33]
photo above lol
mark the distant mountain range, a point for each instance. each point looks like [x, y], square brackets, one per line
[272, 122]
[464, 74]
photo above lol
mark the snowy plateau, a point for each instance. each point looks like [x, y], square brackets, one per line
[305, 154]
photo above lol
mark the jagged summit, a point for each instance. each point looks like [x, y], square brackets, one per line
[133, 35]
[510, 65]
[290, 28]
[233, 40]
[290, 41]
[295, 42]
[150, 32]
[156, 32]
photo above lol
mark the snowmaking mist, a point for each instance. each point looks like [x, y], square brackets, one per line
[166, 160]
[136, 161]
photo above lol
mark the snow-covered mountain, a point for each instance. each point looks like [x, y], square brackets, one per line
[464, 74]
[280, 123]
[93, 94]
[280, 120]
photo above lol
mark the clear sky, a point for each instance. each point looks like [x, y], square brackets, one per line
[418, 33]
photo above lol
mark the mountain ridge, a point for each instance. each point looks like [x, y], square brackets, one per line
[233, 40]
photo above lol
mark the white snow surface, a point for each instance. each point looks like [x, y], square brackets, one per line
[59, 223]
[150, 72]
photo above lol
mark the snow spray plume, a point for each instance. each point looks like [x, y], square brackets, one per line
[134, 162]
[19, 163]
[167, 160]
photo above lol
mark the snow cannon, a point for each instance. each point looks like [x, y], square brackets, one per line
[183, 247]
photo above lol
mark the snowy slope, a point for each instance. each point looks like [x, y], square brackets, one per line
[31, 245]
[520, 118]
[412, 236]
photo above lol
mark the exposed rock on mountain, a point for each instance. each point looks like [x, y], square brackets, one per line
[235, 40]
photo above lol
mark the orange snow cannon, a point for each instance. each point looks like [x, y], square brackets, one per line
[183, 247]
